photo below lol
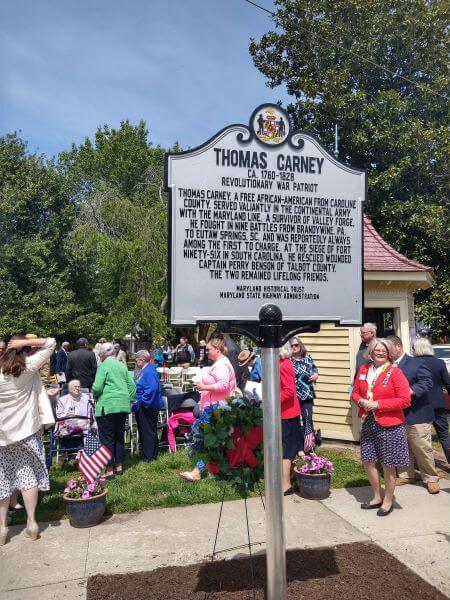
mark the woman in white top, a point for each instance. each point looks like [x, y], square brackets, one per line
[22, 456]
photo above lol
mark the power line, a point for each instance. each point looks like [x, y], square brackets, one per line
[261, 7]
[421, 86]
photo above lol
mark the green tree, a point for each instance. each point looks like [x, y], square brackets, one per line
[391, 120]
[35, 218]
[119, 240]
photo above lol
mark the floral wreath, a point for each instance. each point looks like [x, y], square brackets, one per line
[228, 437]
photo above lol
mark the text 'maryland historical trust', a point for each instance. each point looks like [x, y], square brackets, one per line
[260, 214]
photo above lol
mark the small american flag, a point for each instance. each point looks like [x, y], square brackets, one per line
[93, 458]
[309, 442]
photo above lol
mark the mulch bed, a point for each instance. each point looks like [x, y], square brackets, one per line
[361, 570]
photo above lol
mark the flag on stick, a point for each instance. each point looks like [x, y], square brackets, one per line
[93, 458]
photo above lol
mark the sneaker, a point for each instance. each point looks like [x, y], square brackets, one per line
[433, 487]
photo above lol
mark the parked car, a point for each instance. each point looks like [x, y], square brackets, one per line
[442, 351]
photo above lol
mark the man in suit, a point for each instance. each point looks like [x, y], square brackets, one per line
[441, 378]
[419, 417]
[368, 331]
[81, 364]
[61, 358]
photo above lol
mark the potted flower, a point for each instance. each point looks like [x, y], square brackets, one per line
[313, 476]
[85, 501]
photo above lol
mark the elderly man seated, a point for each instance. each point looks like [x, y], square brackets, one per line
[73, 404]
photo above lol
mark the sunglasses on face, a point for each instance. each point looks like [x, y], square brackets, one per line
[295, 345]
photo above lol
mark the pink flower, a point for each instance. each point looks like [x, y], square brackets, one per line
[72, 484]
[66, 490]
[304, 469]
[79, 490]
[91, 487]
[85, 495]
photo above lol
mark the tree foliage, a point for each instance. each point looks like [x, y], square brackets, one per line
[35, 217]
[392, 120]
[119, 242]
[84, 240]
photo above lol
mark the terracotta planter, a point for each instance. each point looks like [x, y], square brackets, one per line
[86, 512]
[313, 486]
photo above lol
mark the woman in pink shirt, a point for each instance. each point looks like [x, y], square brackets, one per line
[217, 383]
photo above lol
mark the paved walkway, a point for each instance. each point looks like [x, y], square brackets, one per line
[56, 566]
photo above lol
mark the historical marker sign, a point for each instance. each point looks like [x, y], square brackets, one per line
[260, 215]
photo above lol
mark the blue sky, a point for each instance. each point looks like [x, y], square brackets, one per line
[183, 66]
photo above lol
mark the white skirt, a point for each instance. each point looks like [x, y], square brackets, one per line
[22, 466]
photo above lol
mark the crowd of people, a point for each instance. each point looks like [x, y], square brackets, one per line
[26, 409]
[399, 398]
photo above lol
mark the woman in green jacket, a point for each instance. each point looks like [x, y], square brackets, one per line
[115, 391]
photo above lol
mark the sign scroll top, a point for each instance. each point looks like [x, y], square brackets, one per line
[260, 215]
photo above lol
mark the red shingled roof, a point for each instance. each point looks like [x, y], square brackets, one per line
[379, 256]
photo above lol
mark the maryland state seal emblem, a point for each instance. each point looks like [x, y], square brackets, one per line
[270, 125]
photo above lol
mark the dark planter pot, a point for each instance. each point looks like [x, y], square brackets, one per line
[86, 513]
[312, 486]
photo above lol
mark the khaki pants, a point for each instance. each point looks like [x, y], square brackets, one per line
[421, 452]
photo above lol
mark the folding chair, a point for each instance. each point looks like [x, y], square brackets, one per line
[174, 376]
[163, 419]
[181, 405]
[131, 434]
[163, 373]
[187, 379]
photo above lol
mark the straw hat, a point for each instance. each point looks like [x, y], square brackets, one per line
[245, 357]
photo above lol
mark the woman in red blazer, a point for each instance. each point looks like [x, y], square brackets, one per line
[290, 416]
[382, 392]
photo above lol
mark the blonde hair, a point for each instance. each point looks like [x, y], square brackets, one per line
[384, 342]
[422, 347]
[301, 346]
[286, 350]
[218, 344]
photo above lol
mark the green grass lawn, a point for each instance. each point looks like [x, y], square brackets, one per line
[154, 485]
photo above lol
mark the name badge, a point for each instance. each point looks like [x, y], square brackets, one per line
[362, 377]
